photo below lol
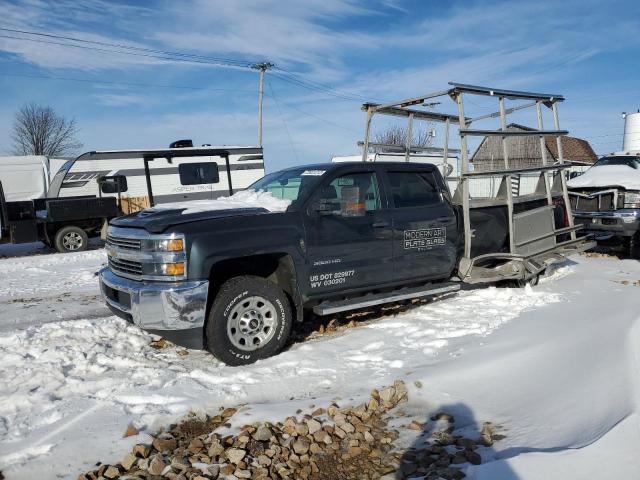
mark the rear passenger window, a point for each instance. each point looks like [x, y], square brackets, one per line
[413, 189]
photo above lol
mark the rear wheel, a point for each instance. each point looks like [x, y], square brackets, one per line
[250, 319]
[71, 239]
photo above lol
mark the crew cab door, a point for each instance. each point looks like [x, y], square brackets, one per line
[425, 233]
[348, 234]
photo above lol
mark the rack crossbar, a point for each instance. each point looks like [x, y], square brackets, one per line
[498, 92]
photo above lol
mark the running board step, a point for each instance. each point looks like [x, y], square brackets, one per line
[328, 307]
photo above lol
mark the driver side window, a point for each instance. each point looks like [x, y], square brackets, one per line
[355, 194]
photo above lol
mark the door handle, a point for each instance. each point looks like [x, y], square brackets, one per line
[380, 224]
[443, 219]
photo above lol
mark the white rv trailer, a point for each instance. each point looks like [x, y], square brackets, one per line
[234, 168]
[25, 177]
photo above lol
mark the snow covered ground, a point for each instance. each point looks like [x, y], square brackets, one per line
[556, 366]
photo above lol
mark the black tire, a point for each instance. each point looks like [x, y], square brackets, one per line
[250, 319]
[71, 239]
[632, 246]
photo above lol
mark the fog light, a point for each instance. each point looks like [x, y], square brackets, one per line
[174, 269]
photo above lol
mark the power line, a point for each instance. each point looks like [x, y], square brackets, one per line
[312, 115]
[242, 63]
[147, 55]
[309, 86]
[129, 84]
[322, 86]
[284, 122]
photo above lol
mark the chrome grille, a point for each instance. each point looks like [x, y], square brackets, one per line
[127, 243]
[127, 267]
[599, 202]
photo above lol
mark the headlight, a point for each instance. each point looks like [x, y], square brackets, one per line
[164, 245]
[631, 199]
[174, 269]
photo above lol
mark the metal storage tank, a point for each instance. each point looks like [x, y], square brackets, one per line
[631, 132]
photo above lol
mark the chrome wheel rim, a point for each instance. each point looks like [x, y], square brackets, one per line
[251, 323]
[72, 241]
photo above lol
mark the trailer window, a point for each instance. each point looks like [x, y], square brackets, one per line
[198, 173]
[413, 189]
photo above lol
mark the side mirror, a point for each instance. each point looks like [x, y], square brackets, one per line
[326, 206]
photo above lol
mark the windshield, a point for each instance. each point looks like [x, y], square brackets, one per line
[633, 162]
[288, 184]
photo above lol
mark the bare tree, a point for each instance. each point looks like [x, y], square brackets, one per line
[39, 130]
[397, 135]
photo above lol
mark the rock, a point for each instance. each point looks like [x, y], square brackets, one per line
[368, 437]
[156, 466]
[418, 384]
[158, 344]
[407, 468]
[195, 446]
[354, 451]
[313, 426]
[301, 445]
[215, 450]
[458, 458]
[235, 455]
[165, 444]
[415, 425]
[130, 431]
[128, 461]
[401, 391]
[141, 451]
[443, 438]
[473, 457]
[318, 411]
[443, 416]
[302, 429]
[264, 460]
[315, 448]
[466, 443]
[348, 428]
[229, 412]
[485, 440]
[111, 472]
[387, 395]
[242, 473]
[263, 433]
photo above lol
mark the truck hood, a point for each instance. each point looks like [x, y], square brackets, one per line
[246, 202]
[157, 221]
[608, 176]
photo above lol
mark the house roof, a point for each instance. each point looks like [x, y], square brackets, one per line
[573, 149]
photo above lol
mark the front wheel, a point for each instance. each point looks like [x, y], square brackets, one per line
[71, 239]
[632, 245]
[250, 319]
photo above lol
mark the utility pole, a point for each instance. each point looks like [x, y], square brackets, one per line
[263, 67]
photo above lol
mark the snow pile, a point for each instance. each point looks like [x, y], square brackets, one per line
[608, 176]
[241, 199]
[555, 365]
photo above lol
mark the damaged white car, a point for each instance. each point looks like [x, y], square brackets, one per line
[606, 199]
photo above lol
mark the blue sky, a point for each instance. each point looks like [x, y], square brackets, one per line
[376, 50]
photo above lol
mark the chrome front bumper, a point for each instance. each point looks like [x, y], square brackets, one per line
[156, 305]
[625, 222]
